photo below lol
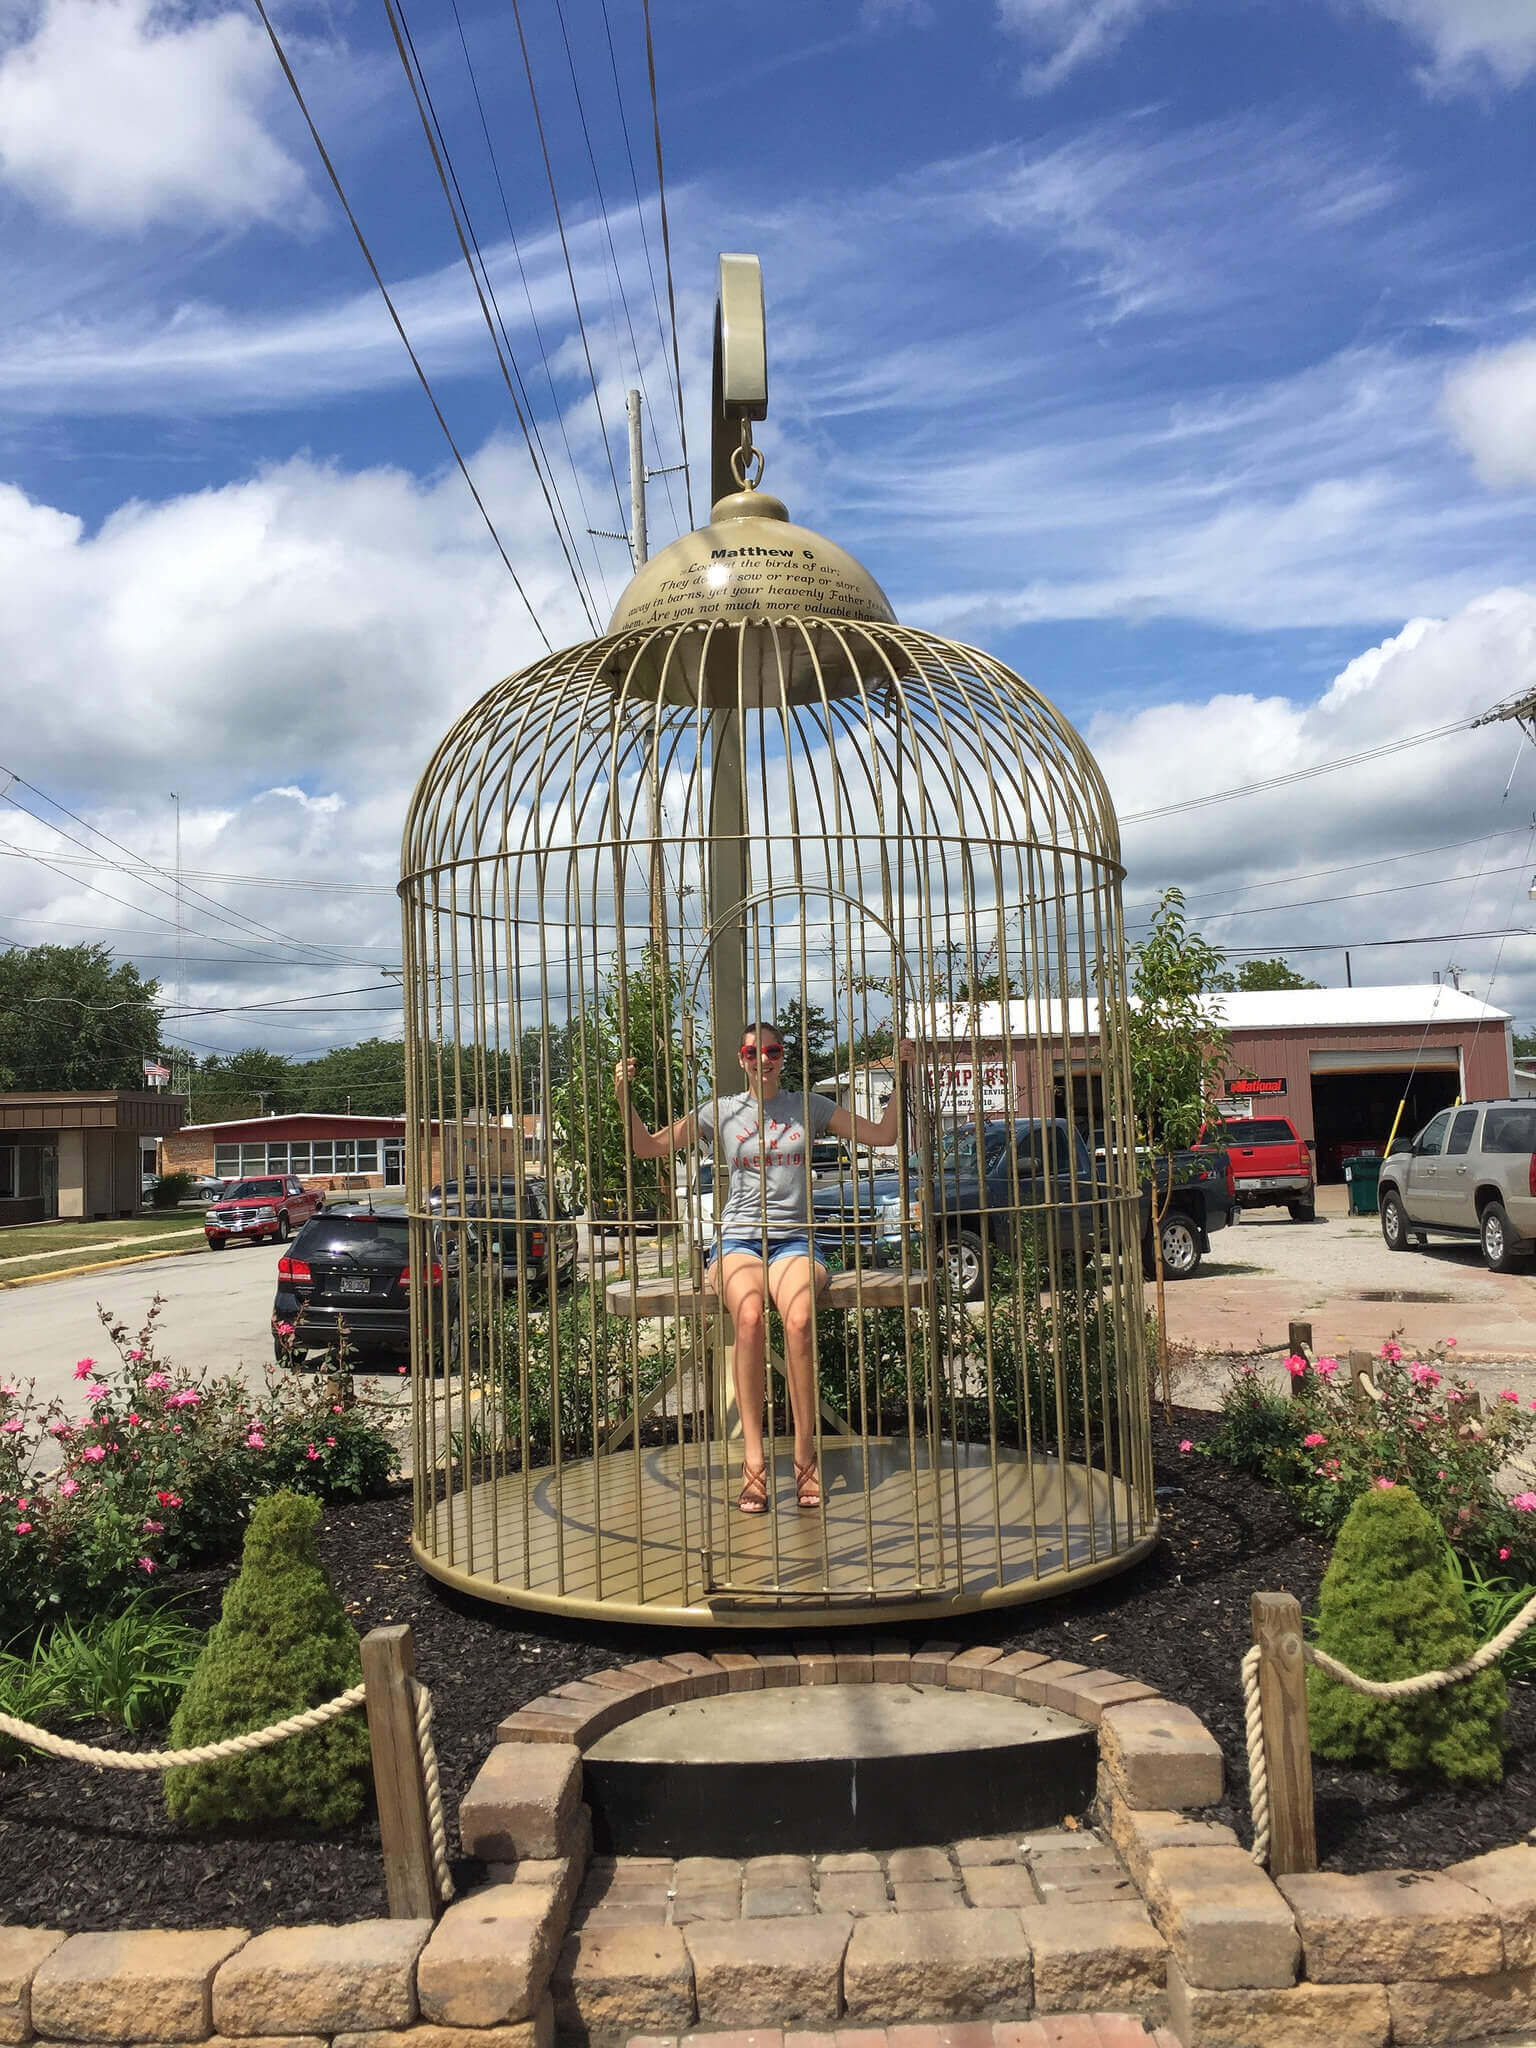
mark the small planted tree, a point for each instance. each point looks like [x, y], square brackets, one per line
[283, 1644]
[1392, 1606]
[1178, 1054]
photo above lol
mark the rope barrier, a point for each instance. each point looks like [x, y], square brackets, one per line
[173, 1759]
[1374, 1688]
[262, 1738]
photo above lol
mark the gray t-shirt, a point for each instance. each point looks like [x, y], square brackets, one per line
[777, 1166]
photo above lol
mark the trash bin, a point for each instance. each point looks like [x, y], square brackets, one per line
[1363, 1173]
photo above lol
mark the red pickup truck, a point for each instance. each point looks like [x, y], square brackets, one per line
[1271, 1164]
[271, 1207]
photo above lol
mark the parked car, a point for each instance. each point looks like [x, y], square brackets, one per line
[271, 1207]
[1054, 1173]
[1471, 1172]
[506, 1232]
[347, 1272]
[1271, 1163]
[207, 1187]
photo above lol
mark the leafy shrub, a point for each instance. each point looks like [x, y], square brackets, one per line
[1326, 1448]
[1390, 1609]
[1492, 1603]
[172, 1188]
[283, 1643]
[599, 1381]
[128, 1669]
[161, 1470]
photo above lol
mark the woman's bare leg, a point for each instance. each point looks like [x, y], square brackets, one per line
[739, 1278]
[794, 1285]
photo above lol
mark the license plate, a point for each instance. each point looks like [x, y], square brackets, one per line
[355, 1284]
[1266, 1183]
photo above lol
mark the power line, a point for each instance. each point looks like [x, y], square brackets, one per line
[674, 389]
[1357, 895]
[602, 207]
[1221, 796]
[399, 325]
[666, 250]
[565, 248]
[1513, 931]
[437, 144]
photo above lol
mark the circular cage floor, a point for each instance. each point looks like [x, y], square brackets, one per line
[654, 1536]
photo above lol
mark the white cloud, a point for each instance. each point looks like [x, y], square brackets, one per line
[1068, 33]
[1267, 849]
[1472, 42]
[1491, 404]
[120, 113]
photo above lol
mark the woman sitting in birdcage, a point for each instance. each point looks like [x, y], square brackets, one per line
[764, 1137]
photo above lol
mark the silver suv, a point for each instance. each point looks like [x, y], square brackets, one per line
[1471, 1172]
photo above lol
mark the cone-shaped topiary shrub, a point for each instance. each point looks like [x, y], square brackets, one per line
[1391, 1607]
[284, 1643]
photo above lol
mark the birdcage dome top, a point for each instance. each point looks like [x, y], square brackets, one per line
[750, 562]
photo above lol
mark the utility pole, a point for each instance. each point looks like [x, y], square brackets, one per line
[181, 961]
[1521, 708]
[638, 545]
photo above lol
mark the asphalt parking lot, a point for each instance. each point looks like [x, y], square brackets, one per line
[1338, 1275]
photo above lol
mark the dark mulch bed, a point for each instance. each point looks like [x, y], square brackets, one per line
[93, 1849]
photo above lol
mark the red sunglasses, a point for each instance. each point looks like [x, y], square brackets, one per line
[767, 1052]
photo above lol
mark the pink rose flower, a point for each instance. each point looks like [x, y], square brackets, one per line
[152, 1528]
[135, 1356]
[9, 1393]
[1392, 1352]
[311, 1452]
[1327, 1367]
[62, 1430]
[69, 1486]
[1509, 1394]
[187, 1398]
[84, 1368]
[256, 1440]
[169, 1500]
[1450, 1343]
[337, 1409]
[95, 1394]
[23, 1528]
[10, 1428]
[1384, 1485]
[93, 1454]
[285, 1329]
[1504, 1553]
[146, 1564]
[1296, 1366]
[1183, 1447]
[1313, 1441]
[157, 1380]
[1524, 1503]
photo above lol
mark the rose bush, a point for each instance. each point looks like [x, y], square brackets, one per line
[157, 1467]
[1418, 1426]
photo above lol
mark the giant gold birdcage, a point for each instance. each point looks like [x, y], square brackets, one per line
[759, 797]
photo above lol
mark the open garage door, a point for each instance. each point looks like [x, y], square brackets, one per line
[1355, 1097]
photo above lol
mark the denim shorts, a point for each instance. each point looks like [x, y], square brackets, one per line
[796, 1246]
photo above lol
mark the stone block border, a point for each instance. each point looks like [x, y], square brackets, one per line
[1239, 1957]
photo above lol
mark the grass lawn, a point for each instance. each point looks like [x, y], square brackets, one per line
[36, 1240]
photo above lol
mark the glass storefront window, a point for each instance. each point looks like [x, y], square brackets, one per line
[226, 1161]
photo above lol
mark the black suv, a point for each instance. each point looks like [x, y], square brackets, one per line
[504, 1230]
[348, 1271]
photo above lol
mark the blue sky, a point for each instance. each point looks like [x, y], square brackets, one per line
[1182, 354]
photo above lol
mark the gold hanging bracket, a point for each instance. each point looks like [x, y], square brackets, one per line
[740, 386]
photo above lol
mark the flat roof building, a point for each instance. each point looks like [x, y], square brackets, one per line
[76, 1153]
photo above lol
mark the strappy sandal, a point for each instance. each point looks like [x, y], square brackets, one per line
[753, 1498]
[807, 1485]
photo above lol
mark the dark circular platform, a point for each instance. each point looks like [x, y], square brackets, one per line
[805, 1769]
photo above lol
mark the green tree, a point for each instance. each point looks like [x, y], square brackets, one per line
[1392, 1606]
[1178, 1062]
[70, 1019]
[639, 1015]
[283, 1643]
[1525, 1045]
[1263, 974]
[251, 1083]
[367, 1079]
[810, 1050]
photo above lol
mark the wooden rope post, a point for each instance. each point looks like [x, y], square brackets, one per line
[341, 1390]
[1300, 1339]
[1276, 1621]
[389, 1665]
[1362, 1376]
